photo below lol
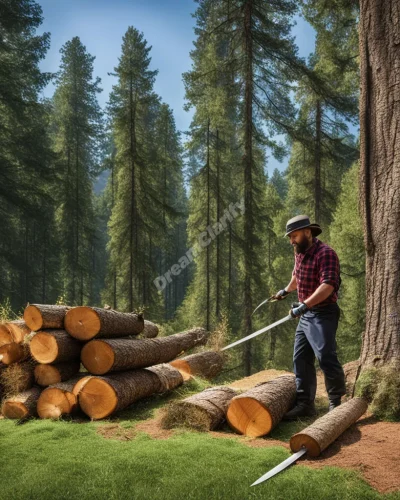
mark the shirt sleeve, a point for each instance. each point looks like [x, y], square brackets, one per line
[329, 268]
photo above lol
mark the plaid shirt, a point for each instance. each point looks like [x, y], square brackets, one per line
[319, 264]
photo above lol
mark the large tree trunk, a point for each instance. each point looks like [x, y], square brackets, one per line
[203, 411]
[102, 396]
[54, 346]
[85, 323]
[380, 176]
[248, 179]
[40, 316]
[256, 412]
[53, 374]
[205, 364]
[59, 399]
[102, 356]
[321, 433]
[22, 405]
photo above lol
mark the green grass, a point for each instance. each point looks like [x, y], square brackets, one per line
[69, 460]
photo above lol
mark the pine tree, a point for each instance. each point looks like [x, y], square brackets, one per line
[26, 180]
[76, 136]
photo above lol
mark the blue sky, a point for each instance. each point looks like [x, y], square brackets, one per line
[167, 26]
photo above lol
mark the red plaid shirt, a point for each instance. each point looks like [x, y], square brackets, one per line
[319, 264]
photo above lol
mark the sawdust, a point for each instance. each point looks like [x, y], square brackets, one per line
[116, 431]
[246, 383]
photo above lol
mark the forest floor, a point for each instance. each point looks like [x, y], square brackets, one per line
[130, 456]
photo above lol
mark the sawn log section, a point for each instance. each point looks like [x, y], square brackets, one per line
[22, 405]
[320, 434]
[86, 323]
[106, 355]
[204, 411]
[40, 316]
[102, 396]
[205, 364]
[54, 346]
[256, 412]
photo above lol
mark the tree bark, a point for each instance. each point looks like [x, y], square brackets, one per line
[204, 411]
[256, 412]
[380, 176]
[320, 434]
[22, 405]
[86, 323]
[150, 330]
[248, 180]
[54, 346]
[40, 316]
[205, 364]
[46, 375]
[102, 396]
[106, 355]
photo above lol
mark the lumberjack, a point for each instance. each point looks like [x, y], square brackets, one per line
[316, 277]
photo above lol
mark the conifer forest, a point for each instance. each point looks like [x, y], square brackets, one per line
[189, 227]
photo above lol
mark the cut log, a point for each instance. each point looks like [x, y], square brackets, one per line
[102, 396]
[13, 331]
[59, 399]
[204, 411]
[205, 364]
[257, 411]
[86, 323]
[150, 330]
[13, 353]
[41, 316]
[17, 377]
[106, 355]
[22, 405]
[54, 346]
[321, 433]
[53, 374]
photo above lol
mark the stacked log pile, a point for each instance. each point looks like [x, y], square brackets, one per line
[124, 359]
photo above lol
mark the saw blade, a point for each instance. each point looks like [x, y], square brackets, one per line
[266, 328]
[281, 466]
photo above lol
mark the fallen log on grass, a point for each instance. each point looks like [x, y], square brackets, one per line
[150, 330]
[17, 377]
[111, 355]
[46, 375]
[102, 396]
[41, 316]
[54, 346]
[13, 353]
[13, 331]
[321, 433]
[22, 405]
[86, 323]
[204, 411]
[205, 364]
[257, 411]
[61, 398]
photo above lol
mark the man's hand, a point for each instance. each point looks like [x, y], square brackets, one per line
[282, 294]
[298, 310]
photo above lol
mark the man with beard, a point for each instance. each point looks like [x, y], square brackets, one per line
[316, 276]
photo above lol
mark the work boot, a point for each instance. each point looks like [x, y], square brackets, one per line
[302, 409]
[333, 403]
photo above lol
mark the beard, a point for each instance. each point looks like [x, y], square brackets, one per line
[302, 246]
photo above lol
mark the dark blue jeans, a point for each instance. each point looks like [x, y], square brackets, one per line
[316, 337]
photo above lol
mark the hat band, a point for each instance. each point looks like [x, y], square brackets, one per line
[297, 225]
